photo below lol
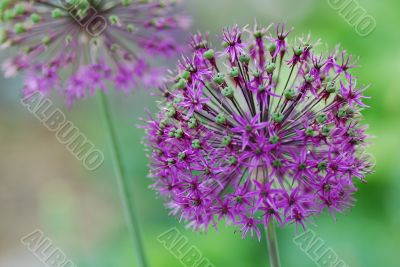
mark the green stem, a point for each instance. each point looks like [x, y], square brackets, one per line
[122, 180]
[272, 242]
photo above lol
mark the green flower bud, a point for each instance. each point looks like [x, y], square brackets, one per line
[179, 133]
[46, 40]
[298, 51]
[322, 118]
[244, 59]
[290, 94]
[192, 123]
[126, 2]
[274, 139]
[256, 73]
[113, 19]
[19, 9]
[234, 72]
[232, 160]
[270, 67]
[57, 13]
[171, 133]
[219, 78]
[309, 132]
[342, 113]
[185, 75]
[322, 166]
[228, 92]
[209, 54]
[277, 117]
[196, 144]
[309, 78]
[130, 27]
[302, 166]
[19, 28]
[171, 162]
[181, 84]
[171, 111]
[277, 163]
[8, 15]
[326, 130]
[258, 34]
[271, 48]
[182, 155]
[68, 39]
[162, 124]
[36, 18]
[226, 140]
[114, 47]
[221, 119]
[4, 3]
[3, 36]
[331, 88]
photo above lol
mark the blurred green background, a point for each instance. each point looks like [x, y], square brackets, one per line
[44, 187]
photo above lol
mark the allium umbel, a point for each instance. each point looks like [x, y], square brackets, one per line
[261, 131]
[77, 46]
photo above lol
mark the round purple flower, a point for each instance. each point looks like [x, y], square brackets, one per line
[260, 131]
[78, 46]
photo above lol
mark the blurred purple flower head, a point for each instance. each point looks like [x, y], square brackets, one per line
[253, 136]
[78, 46]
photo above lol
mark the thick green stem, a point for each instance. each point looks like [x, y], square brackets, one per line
[272, 243]
[122, 180]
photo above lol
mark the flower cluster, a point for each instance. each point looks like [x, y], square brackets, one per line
[271, 134]
[77, 46]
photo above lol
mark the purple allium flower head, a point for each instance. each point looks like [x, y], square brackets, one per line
[252, 135]
[77, 46]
